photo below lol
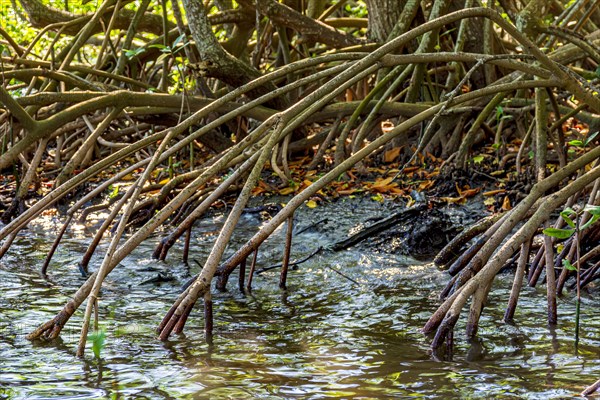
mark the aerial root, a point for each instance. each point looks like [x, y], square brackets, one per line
[591, 389]
[50, 329]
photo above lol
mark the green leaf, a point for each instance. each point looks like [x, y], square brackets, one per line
[594, 210]
[133, 53]
[567, 264]
[160, 47]
[568, 211]
[566, 215]
[179, 39]
[576, 143]
[559, 233]
[114, 193]
[568, 220]
[590, 221]
[531, 154]
[162, 57]
[180, 47]
[97, 339]
[587, 141]
[478, 159]
[499, 112]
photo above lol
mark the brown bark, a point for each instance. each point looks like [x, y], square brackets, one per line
[315, 31]
[383, 15]
[216, 61]
[40, 16]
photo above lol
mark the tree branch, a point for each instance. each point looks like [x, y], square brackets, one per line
[17, 111]
[315, 30]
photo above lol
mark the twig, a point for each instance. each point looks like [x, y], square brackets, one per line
[342, 274]
[292, 264]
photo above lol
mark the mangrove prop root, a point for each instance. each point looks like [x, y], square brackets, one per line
[461, 262]
[286, 253]
[360, 64]
[451, 249]
[52, 328]
[518, 282]
[448, 288]
[170, 313]
[183, 319]
[252, 269]
[446, 326]
[55, 245]
[208, 317]
[477, 304]
[591, 389]
[186, 245]
[486, 275]
[242, 276]
[536, 268]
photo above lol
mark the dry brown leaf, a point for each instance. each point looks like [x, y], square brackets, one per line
[345, 192]
[506, 204]
[287, 190]
[454, 200]
[494, 192]
[408, 170]
[470, 192]
[425, 185]
[391, 155]
[382, 182]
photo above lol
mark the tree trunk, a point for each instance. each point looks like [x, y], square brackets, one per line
[216, 62]
[383, 15]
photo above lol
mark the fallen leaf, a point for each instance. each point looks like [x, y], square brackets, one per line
[454, 200]
[287, 190]
[311, 204]
[506, 204]
[305, 183]
[346, 192]
[411, 169]
[494, 192]
[490, 201]
[391, 155]
[378, 197]
[425, 185]
[382, 182]
[470, 192]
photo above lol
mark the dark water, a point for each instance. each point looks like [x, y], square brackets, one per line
[325, 338]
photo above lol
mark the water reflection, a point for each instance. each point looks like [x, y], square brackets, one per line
[324, 337]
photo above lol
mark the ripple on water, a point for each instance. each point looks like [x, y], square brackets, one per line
[326, 337]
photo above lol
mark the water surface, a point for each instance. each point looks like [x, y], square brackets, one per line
[326, 337]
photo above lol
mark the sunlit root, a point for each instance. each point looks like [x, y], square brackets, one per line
[477, 286]
[591, 389]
